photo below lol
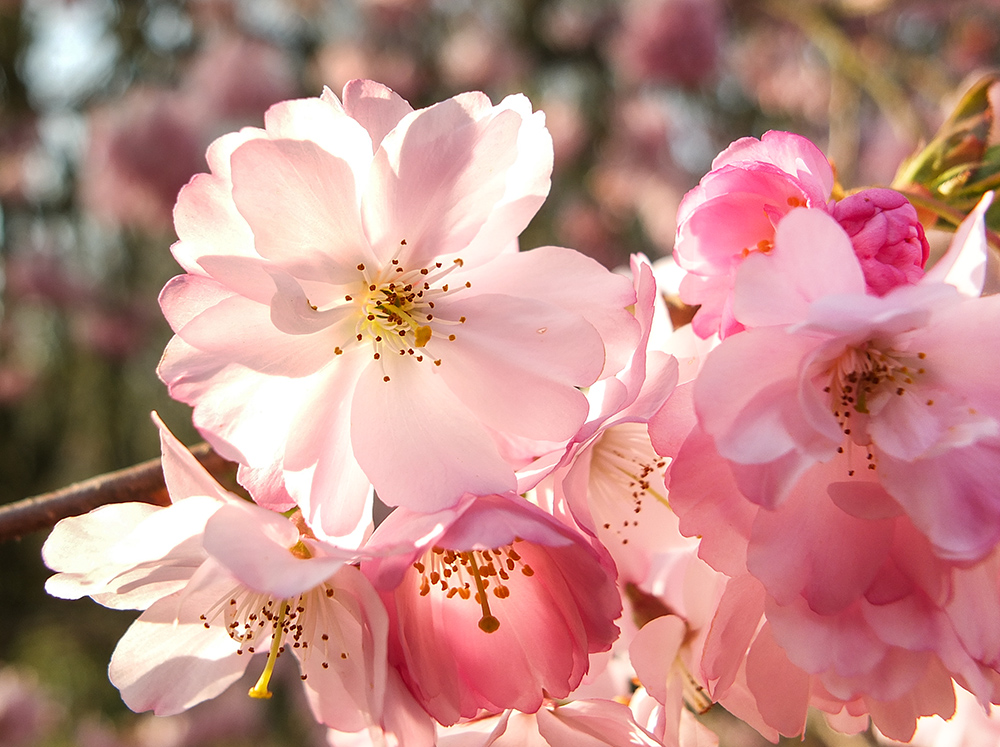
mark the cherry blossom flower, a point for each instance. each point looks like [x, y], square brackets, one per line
[896, 385]
[854, 587]
[221, 579]
[496, 605]
[354, 311]
[733, 211]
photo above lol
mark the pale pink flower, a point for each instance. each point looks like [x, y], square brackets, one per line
[354, 311]
[733, 211]
[761, 683]
[220, 579]
[496, 605]
[887, 237]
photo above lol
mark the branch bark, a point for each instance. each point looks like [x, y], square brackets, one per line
[141, 482]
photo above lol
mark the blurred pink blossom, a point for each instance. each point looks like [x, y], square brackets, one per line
[142, 149]
[669, 41]
[27, 713]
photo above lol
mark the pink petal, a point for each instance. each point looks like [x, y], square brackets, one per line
[208, 224]
[951, 498]
[791, 153]
[302, 204]
[347, 693]
[704, 495]
[167, 661]
[653, 652]
[438, 177]
[375, 107]
[184, 475]
[812, 257]
[574, 282]
[319, 466]
[811, 548]
[77, 548]
[516, 364]
[447, 454]
[781, 688]
[964, 264]
[325, 123]
[255, 545]
[747, 397]
[236, 331]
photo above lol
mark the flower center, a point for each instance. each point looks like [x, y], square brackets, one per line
[624, 466]
[764, 246]
[472, 574]
[396, 308]
[254, 620]
[862, 380]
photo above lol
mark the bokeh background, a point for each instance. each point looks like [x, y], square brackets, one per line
[106, 108]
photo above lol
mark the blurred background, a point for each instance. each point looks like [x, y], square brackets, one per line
[106, 109]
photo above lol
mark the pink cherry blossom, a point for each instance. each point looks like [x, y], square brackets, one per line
[354, 311]
[886, 236]
[733, 211]
[761, 683]
[221, 579]
[898, 385]
[495, 606]
[856, 527]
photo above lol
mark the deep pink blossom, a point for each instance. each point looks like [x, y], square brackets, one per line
[354, 311]
[886, 236]
[841, 485]
[495, 606]
[898, 385]
[733, 211]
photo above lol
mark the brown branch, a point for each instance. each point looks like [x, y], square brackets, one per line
[141, 482]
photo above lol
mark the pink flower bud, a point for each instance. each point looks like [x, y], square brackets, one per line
[887, 237]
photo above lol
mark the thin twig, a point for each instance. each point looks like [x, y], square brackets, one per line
[141, 482]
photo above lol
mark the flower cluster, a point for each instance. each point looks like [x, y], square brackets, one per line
[791, 499]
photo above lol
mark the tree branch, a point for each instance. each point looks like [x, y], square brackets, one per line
[141, 482]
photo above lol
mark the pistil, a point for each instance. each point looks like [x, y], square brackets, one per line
[260, 690]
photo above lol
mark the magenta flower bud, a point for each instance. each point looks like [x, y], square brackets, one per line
[887, 237]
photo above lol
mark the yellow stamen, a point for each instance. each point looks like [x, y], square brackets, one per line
[423, 336]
